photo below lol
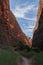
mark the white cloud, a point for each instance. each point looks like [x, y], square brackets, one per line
[31, 26]
[20, 12]
[36, 8]
[28, 30]
[32, 19]
[28, 26]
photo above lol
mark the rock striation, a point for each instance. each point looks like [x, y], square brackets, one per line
[10, 31]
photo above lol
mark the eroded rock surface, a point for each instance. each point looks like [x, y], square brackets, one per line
[10, 31]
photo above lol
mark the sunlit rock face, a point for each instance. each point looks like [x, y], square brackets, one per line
[10, 31]
[4, 9]
[38, 30]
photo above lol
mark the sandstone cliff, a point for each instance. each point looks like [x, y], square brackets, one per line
[38, 31]
[10, 31]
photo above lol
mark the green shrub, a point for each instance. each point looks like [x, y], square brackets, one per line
[8, 57]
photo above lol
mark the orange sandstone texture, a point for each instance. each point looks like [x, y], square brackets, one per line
[39, 14]
[10, 31]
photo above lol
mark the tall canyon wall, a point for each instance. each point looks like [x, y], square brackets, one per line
[10, 31]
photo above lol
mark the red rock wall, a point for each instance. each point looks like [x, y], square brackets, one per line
[39, 13]
[37, 40]
[11, 31]
[4, 9]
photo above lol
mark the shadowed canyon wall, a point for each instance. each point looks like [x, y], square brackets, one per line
[38, 30]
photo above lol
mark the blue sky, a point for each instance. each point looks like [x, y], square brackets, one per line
[25, 12]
